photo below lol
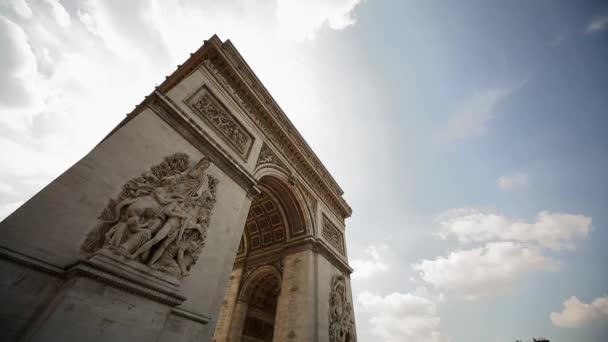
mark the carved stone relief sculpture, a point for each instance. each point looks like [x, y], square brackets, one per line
[333, 235]
[267, 157]
[161, 217]
[341, 321]
[211, 110]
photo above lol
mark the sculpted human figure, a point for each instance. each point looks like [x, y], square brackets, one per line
[175, 234]
[117, 233]
[175, 216]
[159, 216]
[341, 324]
[152, 224]
[177, 258]
[189, 182]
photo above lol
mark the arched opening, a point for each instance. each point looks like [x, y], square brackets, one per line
[261, 294]
[274, 220]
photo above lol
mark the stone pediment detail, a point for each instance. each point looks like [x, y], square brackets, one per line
[312, 173]
[160, 219]
[268, 157]
[341, 320]
[209, 108]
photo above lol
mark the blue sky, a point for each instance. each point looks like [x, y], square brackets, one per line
[469, 138]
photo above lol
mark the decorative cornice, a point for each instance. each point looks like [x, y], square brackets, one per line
[281, 140]
[231, 70]
[240, 81]
[315, 245]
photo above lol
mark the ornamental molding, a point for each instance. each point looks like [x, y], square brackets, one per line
[279, 138]
[206, 105]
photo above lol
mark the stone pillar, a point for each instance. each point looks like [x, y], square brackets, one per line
[238, 320]
[222, 329]
[295, 306]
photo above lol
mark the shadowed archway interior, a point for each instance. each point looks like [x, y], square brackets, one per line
[261, 294]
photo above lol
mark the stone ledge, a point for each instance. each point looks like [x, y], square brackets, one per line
[25, 260]
[190, 315]
[107, 268]
[129, 275]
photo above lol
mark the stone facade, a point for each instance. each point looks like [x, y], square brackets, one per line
[202, 216]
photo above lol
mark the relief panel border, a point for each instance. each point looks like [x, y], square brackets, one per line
[207, 106]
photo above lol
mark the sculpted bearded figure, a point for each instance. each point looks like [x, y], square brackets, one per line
[160, 218]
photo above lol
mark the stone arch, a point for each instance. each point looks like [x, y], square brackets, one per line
[300, 195]
[266, 274]
[257, 304]
[277, 215]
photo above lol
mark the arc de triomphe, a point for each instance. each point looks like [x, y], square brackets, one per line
[203, 216]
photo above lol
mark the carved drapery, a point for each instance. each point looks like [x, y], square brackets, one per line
[341, 321]
[333, 235]
[161, 217]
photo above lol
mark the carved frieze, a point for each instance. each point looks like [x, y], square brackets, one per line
[332, 234]
[160, 218]
[208, 107]
[341, 320]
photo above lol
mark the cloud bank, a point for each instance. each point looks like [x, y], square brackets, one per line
[577, 314]
[401, 317]
[373, 262]
[478, 272]
[555, 231]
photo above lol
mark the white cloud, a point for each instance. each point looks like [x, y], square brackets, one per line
[552, 230]
[478, 272]
[401, 317]
[300, 20]
[576, 313]
[372, 263]
[471, 116]
[21, 8]
[55, 83]
[18, 70]
[61, 15]
[598, 23]
[512, 181]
